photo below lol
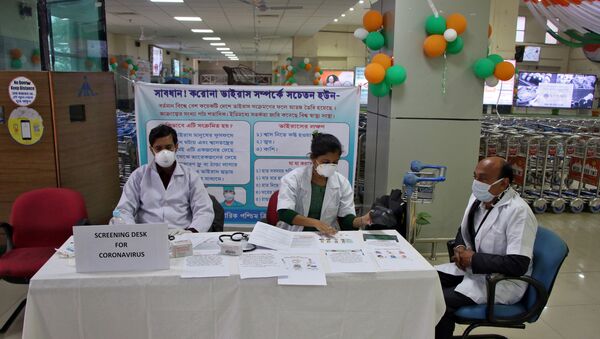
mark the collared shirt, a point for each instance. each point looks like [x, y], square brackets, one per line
[184, 203]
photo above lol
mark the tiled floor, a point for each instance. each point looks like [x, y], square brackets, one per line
[573, 310]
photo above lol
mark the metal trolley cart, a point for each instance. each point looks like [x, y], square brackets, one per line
[419, 186]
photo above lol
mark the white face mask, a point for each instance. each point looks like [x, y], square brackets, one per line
[326, 170]
[164, 158]
[228, 196]
[481, 190]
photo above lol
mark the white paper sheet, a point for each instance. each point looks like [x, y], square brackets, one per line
[203, 242]
[390, 259]
[305, 243]
[303, 270]
[205, 265]
[261, 264]
[340, 241]
[349, 261]
[268, 236]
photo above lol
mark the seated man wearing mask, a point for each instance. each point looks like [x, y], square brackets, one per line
[496, 236]
[165, 191]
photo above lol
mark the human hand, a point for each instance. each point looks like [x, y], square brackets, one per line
[365, 220]
[465, 258]
[323, 227]
[456, 257]
[177, 231]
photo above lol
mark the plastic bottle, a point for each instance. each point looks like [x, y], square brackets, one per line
[116, 219]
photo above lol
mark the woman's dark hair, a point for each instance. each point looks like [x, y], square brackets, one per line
[162, 131]
[507, 172]
[324, 143]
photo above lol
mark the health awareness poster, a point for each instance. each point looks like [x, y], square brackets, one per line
[243, 139]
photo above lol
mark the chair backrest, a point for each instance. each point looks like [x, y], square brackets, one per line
[45, 217]
[549, 252]
[219, 220]
[272, 217]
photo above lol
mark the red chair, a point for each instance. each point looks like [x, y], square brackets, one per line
[272, 217]
[40, 221]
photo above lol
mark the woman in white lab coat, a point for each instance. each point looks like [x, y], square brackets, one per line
[317, 197]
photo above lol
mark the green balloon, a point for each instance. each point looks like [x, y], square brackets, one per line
[16, 64]
[435, 25]
[496, 59]
[36, 52]
[483, 68]
[379, 90]
[289, 58]
[129, 61]
[135, 67]
[375, 41]
[395, 75]
[113, 67]
[321, 72]
[455, 46]
[301, 65]
[292, 80]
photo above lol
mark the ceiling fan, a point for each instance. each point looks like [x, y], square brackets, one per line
[142, 37]
[262, 6]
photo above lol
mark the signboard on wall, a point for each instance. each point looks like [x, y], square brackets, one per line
[157, 60]
[243, 139]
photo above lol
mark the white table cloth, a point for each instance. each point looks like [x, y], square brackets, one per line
[63, 304]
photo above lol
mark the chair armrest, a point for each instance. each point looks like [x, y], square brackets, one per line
[8, 231]
[541, 297]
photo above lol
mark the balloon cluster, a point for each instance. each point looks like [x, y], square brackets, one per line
[492, 69]
[370, 33]
[444, 34]
[130, 67]
[187, 72]
[288, 71]
[113, 63]
[35, 57]
[382, 75]
[15, 58]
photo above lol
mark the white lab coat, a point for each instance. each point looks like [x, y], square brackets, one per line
[510, 228]
[295, 194]
[185, 202]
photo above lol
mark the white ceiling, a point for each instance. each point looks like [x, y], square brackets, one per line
[238, 24]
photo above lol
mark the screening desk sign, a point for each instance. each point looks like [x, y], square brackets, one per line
[121, 248]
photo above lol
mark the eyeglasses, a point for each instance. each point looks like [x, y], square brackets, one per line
[159, 148]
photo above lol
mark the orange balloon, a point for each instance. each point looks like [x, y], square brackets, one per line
[489, 31]
[308, 67]
[315, 82]
[317, 68]
[435, 45]
[382, 59]
[375, 73]
[458, 22]
[113, 60]
[504, 71]
[372, 20]
[124, 65]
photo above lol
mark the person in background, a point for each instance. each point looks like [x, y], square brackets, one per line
[496, 235]
[165, 191]
[229, 197]
[317, 197]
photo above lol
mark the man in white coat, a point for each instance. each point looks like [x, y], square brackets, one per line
[165, 191]
[496, 235]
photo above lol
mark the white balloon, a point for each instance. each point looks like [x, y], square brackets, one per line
[450, 34]
[294, 84]
[290, 68]
[306, 61]
[317, 74]
[491, 81]
[130, 67]
[361, 33]
[288, 62]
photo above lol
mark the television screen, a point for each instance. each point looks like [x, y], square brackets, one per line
[157, 60]
[175, 68]
[502, 93]
[337, 78]
[532, 53]
[361, 81]
[551, 90]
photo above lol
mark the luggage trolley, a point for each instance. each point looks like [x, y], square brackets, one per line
[574, 185]
[419, 186]
[549, 170]
[590, 175]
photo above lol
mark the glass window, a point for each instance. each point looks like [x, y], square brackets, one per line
[520, 35]
[19, 36]
[77, 36]
[549, 39]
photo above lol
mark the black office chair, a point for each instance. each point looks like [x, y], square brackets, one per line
[219, 221]
[549, 252]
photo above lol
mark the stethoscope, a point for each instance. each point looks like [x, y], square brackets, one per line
[239, 237]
